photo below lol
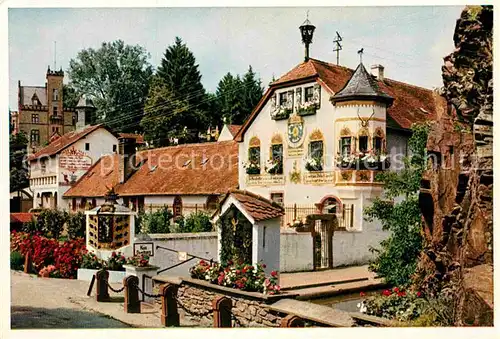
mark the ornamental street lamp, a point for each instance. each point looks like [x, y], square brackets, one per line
[307, 31]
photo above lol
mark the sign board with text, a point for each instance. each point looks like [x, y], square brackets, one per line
[146, 248]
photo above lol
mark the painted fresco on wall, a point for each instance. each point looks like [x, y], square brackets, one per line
[72, 160]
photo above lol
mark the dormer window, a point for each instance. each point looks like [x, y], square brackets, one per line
[283, 98]
[309, 93]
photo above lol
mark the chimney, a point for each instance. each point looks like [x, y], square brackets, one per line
[126, 165]
[378, 71]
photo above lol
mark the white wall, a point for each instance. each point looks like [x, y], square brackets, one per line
[268, 252]
[200, 244]
[296, 249]
[225, 134]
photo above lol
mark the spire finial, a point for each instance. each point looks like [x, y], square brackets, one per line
[360, 52]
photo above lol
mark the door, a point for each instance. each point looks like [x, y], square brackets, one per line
[322, 244]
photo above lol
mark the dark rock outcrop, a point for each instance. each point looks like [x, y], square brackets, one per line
[456, 195]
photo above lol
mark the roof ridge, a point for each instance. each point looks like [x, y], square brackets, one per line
[258, 197]
[405, 83]
[198, 144]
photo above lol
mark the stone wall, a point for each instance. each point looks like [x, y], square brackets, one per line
[250, 313]
[249, 308]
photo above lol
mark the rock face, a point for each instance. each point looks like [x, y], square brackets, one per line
[456, 196]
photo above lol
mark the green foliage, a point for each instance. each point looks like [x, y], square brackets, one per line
[52, 222]
[32, 226]
[397, 256]
[237, 96]
[401, 306]
[156, 222]
[167, 116]
[76, 225]
[18, 165]
[237, 234]
[195, 222]
[116, 77]
[176, 105]
[70, 96]
[16, 261]
[115, 262]
[90, 261]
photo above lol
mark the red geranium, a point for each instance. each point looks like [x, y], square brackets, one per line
[386, 293]
[274, 273]
[362, 294]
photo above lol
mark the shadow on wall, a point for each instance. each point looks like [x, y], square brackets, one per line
[55, 318]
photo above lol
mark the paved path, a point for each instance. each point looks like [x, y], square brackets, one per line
[63, 303]
[47, 303]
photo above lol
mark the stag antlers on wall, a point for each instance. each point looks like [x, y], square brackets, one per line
[364, 122]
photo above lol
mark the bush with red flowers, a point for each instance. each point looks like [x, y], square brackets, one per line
[64, 256]
[139, 260]
[238, 275]
[396, 304]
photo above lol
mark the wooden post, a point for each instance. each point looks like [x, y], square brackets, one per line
[292, 321]
[101, 286]
[28, 263]
[132, 304]
[222, 311]
[169, 314]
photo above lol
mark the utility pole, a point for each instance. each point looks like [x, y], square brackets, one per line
[338, 46]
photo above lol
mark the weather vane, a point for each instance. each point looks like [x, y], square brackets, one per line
[360, 52]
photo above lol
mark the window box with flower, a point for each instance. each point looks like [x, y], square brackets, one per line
[281, 113]
[314, 164]
[370, 160]
[274, 167]
[307, 108]
[91, 264]
[252, 167]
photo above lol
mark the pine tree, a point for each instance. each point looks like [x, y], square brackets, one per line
[252, 92]
[229, 97]
[180, 74]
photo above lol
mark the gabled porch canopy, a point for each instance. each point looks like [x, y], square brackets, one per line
[248, 227]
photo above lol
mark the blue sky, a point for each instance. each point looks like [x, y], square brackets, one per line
[409, 41]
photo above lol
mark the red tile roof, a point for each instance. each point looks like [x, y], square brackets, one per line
[411, 103]
[64, 141]
[139, 139]
[233, 129]
[257, 206]
[21, 217]
[190, 169]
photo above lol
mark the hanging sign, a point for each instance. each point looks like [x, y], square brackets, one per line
[146, 248]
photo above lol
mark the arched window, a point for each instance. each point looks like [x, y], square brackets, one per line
[379, 141]
[315, 152]
[253, 166]
[276, 155]
[212, 202]
[330, 205]
[363, 137]
[177, 207]
[345, 142]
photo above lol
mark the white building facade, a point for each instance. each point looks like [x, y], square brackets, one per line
[56, 167]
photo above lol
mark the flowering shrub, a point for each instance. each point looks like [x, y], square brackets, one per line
[65, 256]
[237, 275]
[394, 304]
[115, 262]
[90, 261]
[139, 260]
[252, 167]
[49, 272]
[370, 159]
[281, 112]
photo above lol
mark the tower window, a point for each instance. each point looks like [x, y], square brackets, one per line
[54, 111]
[55, 94]
[35, 136]
[35, 119]
[87, 146]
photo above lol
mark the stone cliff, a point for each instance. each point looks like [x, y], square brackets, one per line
[456, 196]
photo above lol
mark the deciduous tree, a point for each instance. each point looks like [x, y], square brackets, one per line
[116, 77]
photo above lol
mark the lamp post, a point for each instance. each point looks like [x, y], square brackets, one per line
[307, 31]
